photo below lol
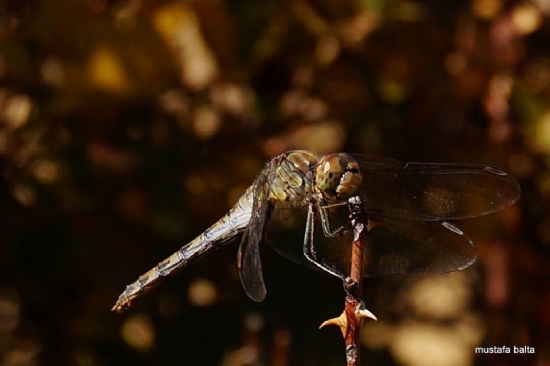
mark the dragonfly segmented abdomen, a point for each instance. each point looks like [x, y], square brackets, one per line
[221, 232]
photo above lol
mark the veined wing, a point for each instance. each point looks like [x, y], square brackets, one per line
[415, 247]
[286, 232]
[248, 258]
[392, 246]
[433, 192]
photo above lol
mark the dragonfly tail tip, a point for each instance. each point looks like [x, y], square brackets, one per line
[121, 307]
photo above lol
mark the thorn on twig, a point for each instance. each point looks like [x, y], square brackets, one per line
[341, 322]
[362, 313]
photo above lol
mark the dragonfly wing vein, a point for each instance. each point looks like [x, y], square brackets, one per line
[416, 247]
[432, 192]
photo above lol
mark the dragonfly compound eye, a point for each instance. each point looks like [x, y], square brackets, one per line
[350, 181]
[337, 176]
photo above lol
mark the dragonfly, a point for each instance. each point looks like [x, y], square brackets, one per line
[300, 193]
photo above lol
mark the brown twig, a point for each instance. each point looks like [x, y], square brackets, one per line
[354, 309]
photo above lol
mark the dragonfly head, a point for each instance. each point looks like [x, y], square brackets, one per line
[337, 176]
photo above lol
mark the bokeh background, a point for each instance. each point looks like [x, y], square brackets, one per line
[129, 126]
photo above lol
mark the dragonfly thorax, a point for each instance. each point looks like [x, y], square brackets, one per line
[337, 176]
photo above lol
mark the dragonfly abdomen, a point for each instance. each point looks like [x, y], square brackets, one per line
[229, 226]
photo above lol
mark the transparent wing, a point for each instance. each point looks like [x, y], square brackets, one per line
[413, 247]
[408, 204]
[286, 232]
[392, 246]
[434, 192]
[248, 258]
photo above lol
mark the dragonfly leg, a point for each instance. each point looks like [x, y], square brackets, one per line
[309, 247]
[332, 205]
[327, 230]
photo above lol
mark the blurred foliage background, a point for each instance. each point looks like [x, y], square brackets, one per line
[129, 126]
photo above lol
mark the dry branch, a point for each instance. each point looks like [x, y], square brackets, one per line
[354, 313]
